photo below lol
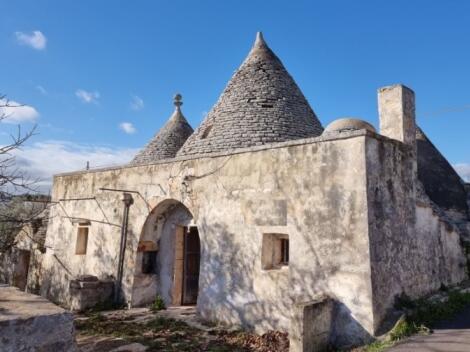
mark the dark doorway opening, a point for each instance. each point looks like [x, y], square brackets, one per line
[20, 276]
[191, 261]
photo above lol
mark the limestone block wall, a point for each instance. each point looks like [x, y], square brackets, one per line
[312, 190]
[413, 248]
[444, 261]
[27, 240]
[8, 262]
[31, 323]
[21, 265]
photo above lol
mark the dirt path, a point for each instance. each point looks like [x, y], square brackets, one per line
[174, 329]
[451, 335]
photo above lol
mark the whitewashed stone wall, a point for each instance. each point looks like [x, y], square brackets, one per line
[414, 249]
[312, 190]
[346, 238]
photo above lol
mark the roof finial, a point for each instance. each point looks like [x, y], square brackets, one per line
[177, 100]
[259, 39]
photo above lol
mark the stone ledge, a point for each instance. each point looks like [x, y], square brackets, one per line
[297, 142]
[16, 304]
[32, 323]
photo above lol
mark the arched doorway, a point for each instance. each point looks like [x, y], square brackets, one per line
[168, 257]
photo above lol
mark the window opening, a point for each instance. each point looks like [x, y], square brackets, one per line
[82, 240]
[149, 262]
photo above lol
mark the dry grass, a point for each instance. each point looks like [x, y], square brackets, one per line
[165, 335]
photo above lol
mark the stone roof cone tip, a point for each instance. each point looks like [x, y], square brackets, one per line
[259, 39]
[261, 50]
[169, 139]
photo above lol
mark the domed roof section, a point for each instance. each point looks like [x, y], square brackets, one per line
[348, 124]
[260, 104]
[166, 143]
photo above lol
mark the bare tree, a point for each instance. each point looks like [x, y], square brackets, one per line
[19, 200]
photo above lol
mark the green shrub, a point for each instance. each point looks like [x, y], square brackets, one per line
[158, 304]
[422, 314]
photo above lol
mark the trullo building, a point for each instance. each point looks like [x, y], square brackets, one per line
[263, 218]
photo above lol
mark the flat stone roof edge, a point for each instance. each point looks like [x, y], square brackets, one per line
[296, 142]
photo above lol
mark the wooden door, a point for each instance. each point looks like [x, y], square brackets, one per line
[192, 250]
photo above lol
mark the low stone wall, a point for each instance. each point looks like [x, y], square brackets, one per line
[21, 268]
[34, 281]
[7, 262]
[88, 292]
[311, 325]
[31, 323]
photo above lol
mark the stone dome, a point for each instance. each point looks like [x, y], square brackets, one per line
[261, 104]
[348, 124]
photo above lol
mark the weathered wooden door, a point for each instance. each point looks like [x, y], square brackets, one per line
[192, 252]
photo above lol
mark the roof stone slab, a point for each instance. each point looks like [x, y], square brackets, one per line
[261, 104]
[166, 143]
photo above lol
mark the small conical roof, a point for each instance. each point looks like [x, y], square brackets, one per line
[166, 143]
[260, 104]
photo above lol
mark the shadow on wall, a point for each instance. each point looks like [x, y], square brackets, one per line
[55, 284]
[329, 256]
[330, 270]
[57, 275]
[226, 282]
[105, 265]
[346, 331]
[227, 294]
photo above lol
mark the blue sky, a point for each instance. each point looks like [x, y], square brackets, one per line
[86, 67]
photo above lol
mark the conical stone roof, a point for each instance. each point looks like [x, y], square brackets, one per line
[260, 104]
[441, 182]
[166, 143]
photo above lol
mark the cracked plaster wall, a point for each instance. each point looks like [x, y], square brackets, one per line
[346, 238]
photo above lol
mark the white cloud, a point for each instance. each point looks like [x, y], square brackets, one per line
[35, 39]
[137, 103]
[41, 89]
[41, 160]
[87, 97]
[127, 127]
[463, 170]
[16, 112]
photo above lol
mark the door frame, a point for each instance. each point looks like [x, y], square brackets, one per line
[184, 291]
[179, 265]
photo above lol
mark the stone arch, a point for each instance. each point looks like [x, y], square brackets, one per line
[159, 259]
